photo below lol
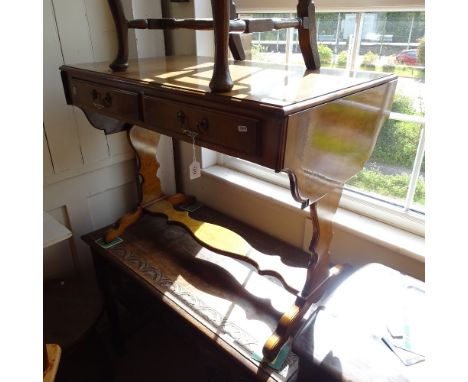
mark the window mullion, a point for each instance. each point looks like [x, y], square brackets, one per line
[416, 170]
[356, 40]
[410, 33]
[337, 34]
[289, 44]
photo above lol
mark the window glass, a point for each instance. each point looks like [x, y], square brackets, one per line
[390, 42]
[271, 46]
[394, 42]
[334, 31]
[388, 171]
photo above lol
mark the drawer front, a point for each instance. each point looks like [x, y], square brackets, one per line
[224, 132]
[105, 99]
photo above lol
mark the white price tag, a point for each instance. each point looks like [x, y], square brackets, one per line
[194, 167]
[194, 170]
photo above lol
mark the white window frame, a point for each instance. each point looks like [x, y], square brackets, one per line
[285, 6]
[377, 207]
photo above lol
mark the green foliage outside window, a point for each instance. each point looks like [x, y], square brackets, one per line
[388, 68]
[400, 25]
[369, 60]
[326, 54]
[395, 186]
[422, 51]
[397, 144]
[397, 141]
[326, 23]
[388, 171]
[394, 150]
[342, 59]
[256, 49]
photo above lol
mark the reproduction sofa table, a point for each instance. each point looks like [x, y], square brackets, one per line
[317, 126]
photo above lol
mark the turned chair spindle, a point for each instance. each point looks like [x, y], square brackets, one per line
[227, 28]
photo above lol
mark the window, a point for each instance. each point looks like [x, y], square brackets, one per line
[393, 178]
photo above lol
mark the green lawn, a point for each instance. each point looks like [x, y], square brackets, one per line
[395, 186]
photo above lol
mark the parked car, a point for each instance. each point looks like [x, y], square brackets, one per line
[407, 57]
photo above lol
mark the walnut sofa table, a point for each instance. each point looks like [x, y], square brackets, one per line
[222, 305]
[317, 126]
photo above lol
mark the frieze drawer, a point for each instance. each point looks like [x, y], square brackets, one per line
[222, 131]
[106, 100]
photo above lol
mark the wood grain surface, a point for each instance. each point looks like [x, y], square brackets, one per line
[270, 84]
[225, 241]
[145, 143]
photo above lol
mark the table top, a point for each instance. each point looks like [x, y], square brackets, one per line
[224, 298]
[275, 85]
[343, 338]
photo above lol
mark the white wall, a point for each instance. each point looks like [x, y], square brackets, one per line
[89, 178]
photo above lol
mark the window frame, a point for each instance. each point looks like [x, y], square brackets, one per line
[285, 6]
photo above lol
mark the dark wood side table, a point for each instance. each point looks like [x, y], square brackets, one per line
[221, 304]
[317, 126]
[342, 340]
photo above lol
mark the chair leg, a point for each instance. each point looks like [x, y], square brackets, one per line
[120, 64]
[235, 43]
[221, 81]
[236, 48]
[308, 34]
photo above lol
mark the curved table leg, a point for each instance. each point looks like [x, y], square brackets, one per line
[144, 142]
[319, 277]
[290, 321]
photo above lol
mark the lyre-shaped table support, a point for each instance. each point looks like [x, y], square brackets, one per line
[226, 242]
[226, 26]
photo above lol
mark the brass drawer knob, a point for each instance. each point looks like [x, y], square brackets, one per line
[96, 96]
[202, 126]
[108, 100]
[180, 117]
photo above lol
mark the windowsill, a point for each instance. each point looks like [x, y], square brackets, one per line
[398, 240]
